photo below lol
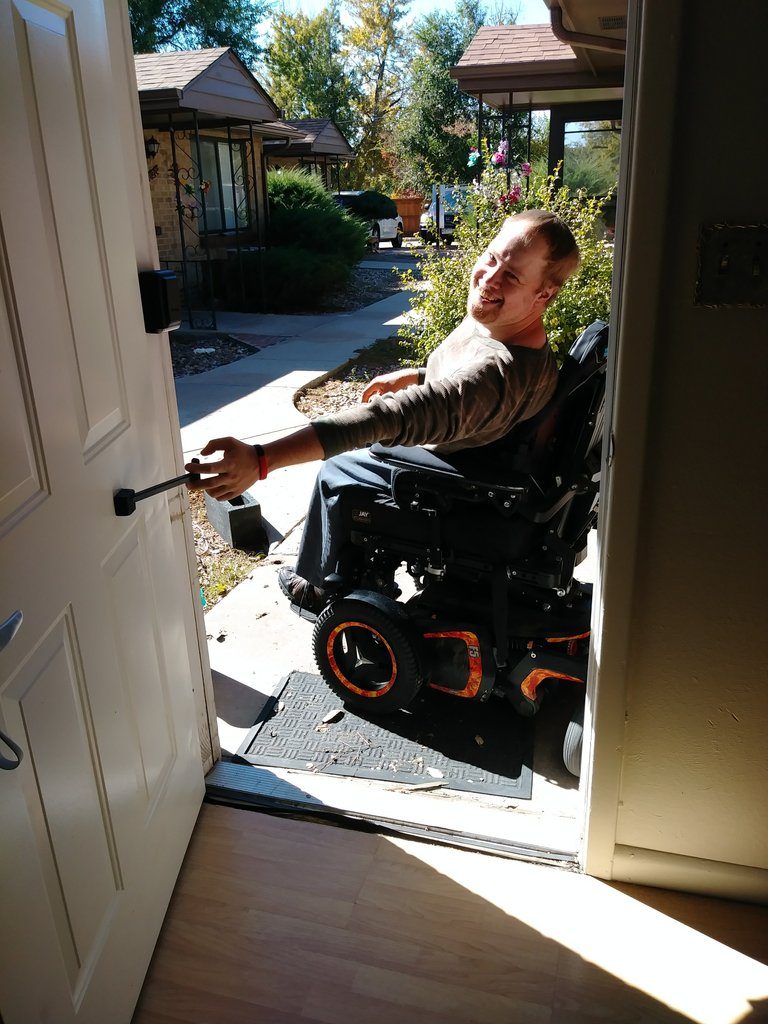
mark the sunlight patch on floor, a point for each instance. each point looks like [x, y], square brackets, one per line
[671, 962]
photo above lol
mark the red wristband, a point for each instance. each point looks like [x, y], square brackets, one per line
[261, 456]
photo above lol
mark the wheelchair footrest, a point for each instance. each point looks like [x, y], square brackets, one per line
[536, 666]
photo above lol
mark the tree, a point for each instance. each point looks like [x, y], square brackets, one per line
[379, 54]
[592, 158]
[306, 67]
[189, 24]
[435, 129]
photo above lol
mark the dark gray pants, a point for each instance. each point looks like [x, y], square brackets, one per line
[325, 530]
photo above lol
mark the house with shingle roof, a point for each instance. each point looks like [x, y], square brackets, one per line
[321, 147]
[206, 119]
[576, 72]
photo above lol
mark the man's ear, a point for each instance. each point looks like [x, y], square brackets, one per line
[546, 293]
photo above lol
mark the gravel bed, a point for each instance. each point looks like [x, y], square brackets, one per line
[219, 567]
[191, 355]
[345, 387]
[365, 287]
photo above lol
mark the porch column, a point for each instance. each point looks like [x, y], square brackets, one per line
[235, 211]
[557, 121]
[208, 262]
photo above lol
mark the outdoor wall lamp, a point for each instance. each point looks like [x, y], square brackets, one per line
[151, 147]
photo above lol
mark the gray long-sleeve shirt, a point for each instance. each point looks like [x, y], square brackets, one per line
[474, 390]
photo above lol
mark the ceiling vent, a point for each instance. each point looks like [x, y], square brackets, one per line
[612, 22]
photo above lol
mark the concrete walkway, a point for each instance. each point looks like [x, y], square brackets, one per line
[254, 639]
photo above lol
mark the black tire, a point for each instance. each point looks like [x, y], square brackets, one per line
[375, 239]
[366, 657]
[397, 241]
[574, 735]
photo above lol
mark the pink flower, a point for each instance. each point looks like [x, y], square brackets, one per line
[525, 169]
[510, 198]
[497, 159]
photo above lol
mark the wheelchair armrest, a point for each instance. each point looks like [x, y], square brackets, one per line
[427, 480]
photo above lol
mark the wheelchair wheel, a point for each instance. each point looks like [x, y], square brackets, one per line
[574, 735]
[366, 657]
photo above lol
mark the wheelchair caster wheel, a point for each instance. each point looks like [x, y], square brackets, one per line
[574, 735]
[367, 658]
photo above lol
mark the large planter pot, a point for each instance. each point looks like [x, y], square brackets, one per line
[410, 208]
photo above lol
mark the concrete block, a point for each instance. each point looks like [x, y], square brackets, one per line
[238, 522]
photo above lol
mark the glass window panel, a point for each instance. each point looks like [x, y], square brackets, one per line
[235, 199]
[591, 157]
[241, 190]
[209, 173]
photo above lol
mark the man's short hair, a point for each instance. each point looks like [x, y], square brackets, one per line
[564, 254]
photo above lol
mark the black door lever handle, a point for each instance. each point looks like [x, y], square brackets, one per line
[125, 499]
[8, 631]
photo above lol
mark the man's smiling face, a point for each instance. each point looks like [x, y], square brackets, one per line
[508, 287]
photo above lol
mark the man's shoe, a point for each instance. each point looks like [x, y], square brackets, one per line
[306, 600]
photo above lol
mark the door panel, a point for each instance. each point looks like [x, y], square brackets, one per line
[22, 474]
[97, 685]
[46, 707]
[140, 666]
[47, 47]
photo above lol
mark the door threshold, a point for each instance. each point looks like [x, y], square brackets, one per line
[277, 791]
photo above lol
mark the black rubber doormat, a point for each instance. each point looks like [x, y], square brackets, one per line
[479, 748]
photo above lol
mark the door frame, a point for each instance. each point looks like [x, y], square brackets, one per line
[645, 179]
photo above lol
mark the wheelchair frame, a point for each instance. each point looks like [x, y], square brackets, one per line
[484, 620]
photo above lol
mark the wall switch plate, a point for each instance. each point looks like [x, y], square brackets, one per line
[733, 265]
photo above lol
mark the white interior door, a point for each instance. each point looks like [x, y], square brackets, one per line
[97, 686]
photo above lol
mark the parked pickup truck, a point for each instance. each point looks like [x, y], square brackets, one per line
[439, 217]
[379, 211]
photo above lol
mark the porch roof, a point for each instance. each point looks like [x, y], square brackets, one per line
[515, 67]
[212, 84]
[315, 137]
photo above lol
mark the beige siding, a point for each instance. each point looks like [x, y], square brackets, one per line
[695, 757]
[226, 89]
[328, 141]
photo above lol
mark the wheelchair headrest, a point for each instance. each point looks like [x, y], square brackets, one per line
[592, 343]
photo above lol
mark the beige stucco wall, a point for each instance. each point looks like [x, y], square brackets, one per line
[694, 761]
[163, 191]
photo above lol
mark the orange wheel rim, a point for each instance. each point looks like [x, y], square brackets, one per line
[342, 676]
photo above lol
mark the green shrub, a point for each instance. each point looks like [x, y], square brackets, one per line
[292, 187]
[440, 307]
[312, 244]
[329, 231]
[293, 279]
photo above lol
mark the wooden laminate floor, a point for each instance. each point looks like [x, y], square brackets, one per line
[275, 921]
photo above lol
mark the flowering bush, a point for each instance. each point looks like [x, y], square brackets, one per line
[439, 303]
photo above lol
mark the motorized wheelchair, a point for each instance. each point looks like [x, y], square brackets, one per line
[491, 537]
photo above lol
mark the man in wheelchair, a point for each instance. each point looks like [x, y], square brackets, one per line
[490, 518]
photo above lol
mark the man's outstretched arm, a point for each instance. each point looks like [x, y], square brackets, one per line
[238, 467]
